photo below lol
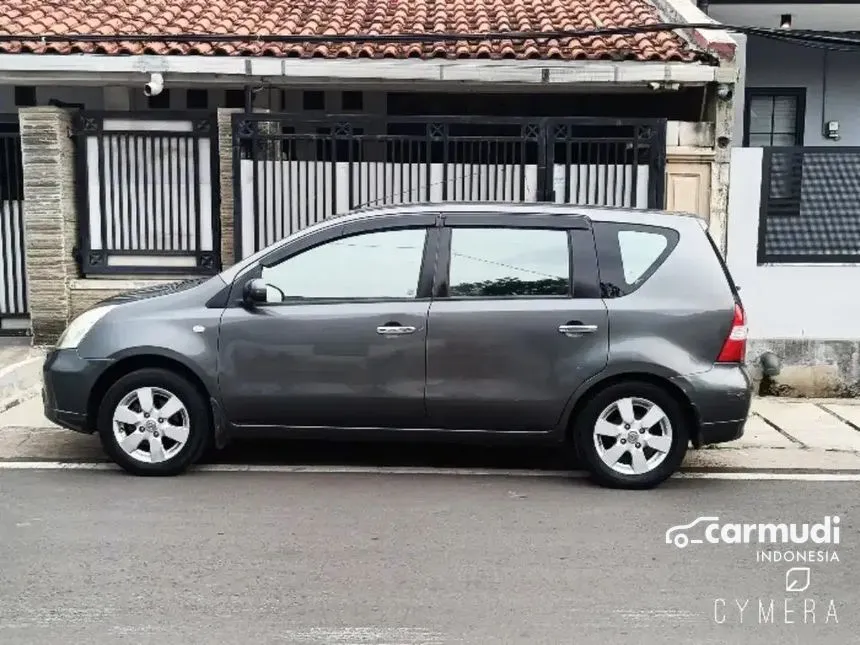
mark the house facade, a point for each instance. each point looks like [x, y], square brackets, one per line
[794, 204]
[145, 160]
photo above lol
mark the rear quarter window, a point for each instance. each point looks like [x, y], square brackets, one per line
[629, 254]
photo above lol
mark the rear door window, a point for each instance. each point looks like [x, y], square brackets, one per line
[491, 262]
[629, 254]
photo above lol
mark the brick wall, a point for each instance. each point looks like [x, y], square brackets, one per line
[50, 224]
[225, 163]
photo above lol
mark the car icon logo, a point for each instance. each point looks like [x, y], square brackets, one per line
[678, 536]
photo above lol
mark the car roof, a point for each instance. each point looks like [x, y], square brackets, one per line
[594, 213]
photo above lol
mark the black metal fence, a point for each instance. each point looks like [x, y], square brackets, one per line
[14, 312]
[148, 192]
[810, 205]
[291, 171]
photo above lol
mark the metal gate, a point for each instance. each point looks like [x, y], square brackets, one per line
[291, 170]
[148, 193]
[14, 312]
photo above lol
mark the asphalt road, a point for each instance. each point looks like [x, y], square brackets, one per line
[223, 558]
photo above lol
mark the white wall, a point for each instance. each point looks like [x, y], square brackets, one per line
[784, 301]
[831, 79]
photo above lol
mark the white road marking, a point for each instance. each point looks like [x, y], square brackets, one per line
[850, 476]
[777, 476]
[362, 635]
[8, 369]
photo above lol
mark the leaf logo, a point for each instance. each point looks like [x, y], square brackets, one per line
[797, 579]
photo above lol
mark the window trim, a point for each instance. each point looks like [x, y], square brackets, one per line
[288, 251]
[799, 93]
[443, 272]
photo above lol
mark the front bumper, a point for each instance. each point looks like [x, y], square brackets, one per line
[67, 382]
[721, 397]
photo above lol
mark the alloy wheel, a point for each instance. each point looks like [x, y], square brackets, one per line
[633, 436]
[151, 424]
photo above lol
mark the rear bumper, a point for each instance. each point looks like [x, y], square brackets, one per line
[721, 397]
[67, 381]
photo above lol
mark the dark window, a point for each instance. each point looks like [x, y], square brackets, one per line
[774, 117]
[234, 99]
[378, 265]
[25, 96]
[505, 262]
[352, 101]
[629, 254]
[313, 101]
[197, 99]
[160, 101]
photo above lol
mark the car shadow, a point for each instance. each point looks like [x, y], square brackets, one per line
[390, 454]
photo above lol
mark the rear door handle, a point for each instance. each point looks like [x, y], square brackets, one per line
[572, 329]
[395, 330]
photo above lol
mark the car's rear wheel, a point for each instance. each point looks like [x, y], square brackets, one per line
[154, 422]
[632, 435]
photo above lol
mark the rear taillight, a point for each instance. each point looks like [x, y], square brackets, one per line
[735, 347]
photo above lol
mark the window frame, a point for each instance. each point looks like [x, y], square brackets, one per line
[798, 93]
[291, 248]
[582, 265]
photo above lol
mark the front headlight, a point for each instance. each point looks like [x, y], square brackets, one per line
[80, 326]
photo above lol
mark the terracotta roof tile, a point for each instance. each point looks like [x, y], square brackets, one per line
[349, 17]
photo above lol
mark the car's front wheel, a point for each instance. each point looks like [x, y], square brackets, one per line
[154, 422]
[632, 435]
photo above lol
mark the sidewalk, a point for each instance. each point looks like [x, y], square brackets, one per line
[781, 434]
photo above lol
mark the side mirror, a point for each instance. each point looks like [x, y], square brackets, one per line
[255, 292]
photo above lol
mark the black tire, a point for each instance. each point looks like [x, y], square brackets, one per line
[583, 436]
[200, 425]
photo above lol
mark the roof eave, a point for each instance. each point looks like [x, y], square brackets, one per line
[99, 69]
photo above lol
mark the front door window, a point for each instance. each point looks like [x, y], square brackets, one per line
[370, 266]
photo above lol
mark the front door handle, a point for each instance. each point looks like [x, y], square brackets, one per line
[395, 330]
[574, 329]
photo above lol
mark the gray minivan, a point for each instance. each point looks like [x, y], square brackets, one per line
[616, 333]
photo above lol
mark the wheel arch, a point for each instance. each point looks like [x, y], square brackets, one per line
[130, 364]
[581, 399]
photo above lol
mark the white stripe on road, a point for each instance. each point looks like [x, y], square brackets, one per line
[776, 476]
[459, 472]
[14, 366]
